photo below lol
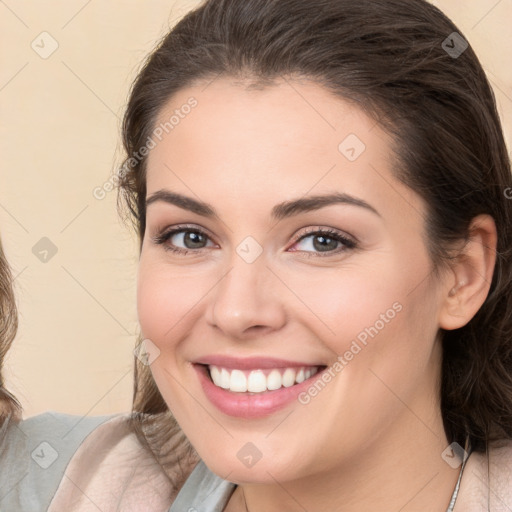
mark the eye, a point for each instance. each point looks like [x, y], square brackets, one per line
[315, 242]
[324, 241]
[192, 239]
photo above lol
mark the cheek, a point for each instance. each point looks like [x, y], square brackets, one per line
[165, 306]
[345, 304]
[383, 342]
[154, 304]
[165, 299]
[381, 312]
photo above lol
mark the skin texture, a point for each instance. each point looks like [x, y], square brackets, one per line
[373, 438]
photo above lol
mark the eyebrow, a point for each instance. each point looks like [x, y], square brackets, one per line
[279, 211]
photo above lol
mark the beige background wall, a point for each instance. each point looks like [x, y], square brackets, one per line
[59, 140]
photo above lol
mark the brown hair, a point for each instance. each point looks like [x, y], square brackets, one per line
[8, 326]
[390, 59]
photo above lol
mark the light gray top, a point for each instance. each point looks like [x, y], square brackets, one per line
[34, 454]
[203, 491]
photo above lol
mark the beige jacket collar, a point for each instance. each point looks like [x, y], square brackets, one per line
[486, 484]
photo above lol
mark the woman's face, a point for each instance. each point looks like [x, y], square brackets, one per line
[268, 300]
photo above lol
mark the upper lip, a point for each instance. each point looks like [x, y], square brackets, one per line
[251, 363]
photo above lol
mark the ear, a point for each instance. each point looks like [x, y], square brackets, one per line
[467, 285]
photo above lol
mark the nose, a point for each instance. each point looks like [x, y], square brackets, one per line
[247, 300]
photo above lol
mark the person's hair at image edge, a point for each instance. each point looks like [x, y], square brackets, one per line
[9, 406]
[387, 58]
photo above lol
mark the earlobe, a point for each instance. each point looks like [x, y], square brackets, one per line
[468, 283]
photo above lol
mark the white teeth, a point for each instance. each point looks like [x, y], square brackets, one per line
[256, 382]
[238, 381]
[274, 380]
[259, 381]
[215, 374]
[224, 378]
[288, 377]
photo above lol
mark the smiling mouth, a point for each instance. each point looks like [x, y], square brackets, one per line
[259, 380]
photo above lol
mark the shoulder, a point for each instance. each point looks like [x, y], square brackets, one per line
[34, 454]
[500, 468]
[58, 462]
[113, 470]
[487, 480]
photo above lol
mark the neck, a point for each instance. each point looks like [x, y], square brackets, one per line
[400, 471]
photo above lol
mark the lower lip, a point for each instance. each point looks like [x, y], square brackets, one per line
[245, 405]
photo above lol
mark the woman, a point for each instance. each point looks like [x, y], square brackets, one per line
[365, 131]
[33, 452]
[325, 269]
[9, 406]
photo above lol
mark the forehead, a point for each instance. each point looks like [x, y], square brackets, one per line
[300, 116]
[284, 140]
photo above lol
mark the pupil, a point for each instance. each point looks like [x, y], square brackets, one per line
[324, 245]
[193, 238]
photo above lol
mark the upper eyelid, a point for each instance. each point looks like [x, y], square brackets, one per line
[180, 228]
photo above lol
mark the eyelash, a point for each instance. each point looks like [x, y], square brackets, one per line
[163, 238]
